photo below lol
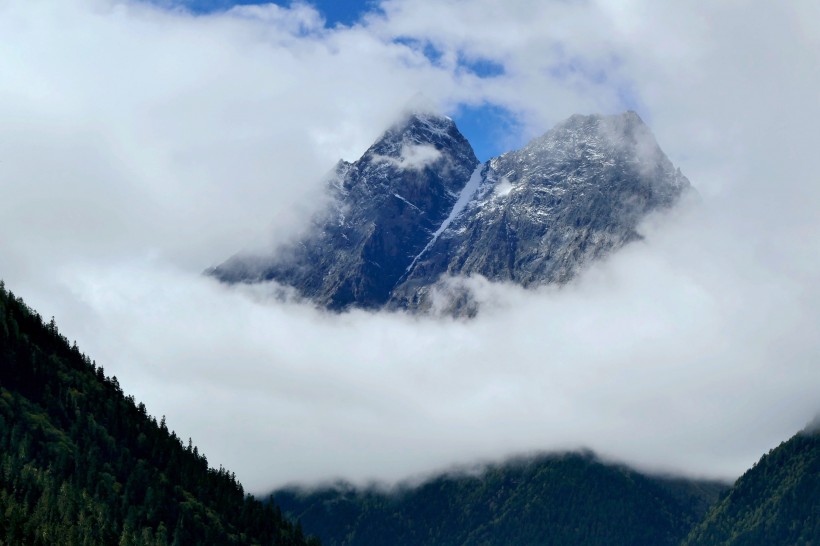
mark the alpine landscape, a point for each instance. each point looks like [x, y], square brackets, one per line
[409, 272]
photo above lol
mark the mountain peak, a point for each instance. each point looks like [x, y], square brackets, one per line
[415, 209]
[420, 128]
[383, 208]
[426, 118]
[625, 121]
[539, 214]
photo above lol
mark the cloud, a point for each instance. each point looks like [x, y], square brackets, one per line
[503, 188]
[141, 145]
[414, 157]
[678, 354]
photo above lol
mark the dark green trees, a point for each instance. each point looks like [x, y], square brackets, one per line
[776, 502]
[576, 499]
[552, 500]
[81, 463]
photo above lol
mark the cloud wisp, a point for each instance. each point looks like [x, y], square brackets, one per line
[414, 157]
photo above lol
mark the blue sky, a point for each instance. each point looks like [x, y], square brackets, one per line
[491, 130]
[345, 12]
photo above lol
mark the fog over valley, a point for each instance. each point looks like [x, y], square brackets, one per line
[127, 170]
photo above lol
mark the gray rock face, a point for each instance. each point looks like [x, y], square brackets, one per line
[383, 209]
[540, 213]
[417, 207]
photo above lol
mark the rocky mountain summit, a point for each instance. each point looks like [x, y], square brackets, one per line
[417, 208]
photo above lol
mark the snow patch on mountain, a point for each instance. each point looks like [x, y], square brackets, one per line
[397, 196]
[461, 203]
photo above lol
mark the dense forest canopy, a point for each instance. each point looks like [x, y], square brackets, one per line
[570, 498]
[83, 463]
[576, 499]
[776, 502]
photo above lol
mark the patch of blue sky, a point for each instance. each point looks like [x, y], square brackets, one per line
[490, 128]
[483, 68]
[335, 12]
[431, 52]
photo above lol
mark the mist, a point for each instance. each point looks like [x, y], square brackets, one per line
[126, 170]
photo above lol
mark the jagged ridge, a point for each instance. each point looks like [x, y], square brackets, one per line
[417, 207]
[383, 209]
[542, 212]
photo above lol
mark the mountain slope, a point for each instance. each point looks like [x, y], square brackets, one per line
[417, 208]
[383, 209]
[540, 213]
[562, 499]
[776, 502]
[81, 463]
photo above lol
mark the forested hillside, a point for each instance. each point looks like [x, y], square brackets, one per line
[82, 463]
[552, 500]
[776, 502]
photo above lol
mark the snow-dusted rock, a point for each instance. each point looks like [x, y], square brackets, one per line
[383, 210]
[540, 213]
[418, 207]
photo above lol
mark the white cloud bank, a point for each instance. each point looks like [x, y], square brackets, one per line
[139, 146]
